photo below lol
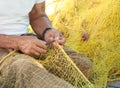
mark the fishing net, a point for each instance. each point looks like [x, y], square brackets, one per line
[58, 63]
[101, 20]
[56, 70]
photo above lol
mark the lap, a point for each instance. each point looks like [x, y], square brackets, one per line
[25, 68]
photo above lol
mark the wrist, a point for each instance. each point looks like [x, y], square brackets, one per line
[15, 43]
[42, 36]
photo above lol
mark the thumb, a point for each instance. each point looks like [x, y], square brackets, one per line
[50, 39]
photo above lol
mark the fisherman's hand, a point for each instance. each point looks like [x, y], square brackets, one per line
[54, 35]
[31, 45]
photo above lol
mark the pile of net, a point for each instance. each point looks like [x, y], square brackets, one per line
[101, 20]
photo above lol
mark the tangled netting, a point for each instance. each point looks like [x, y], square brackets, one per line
[101, 20]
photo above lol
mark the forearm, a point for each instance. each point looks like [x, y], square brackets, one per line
[40, 24]
[29, 45]
[38, 18]
[7, 41]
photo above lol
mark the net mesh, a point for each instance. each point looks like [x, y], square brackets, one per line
[58, 63]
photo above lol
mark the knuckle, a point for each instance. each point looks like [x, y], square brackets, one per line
[37, 54]
[44, 51]
[27, 52]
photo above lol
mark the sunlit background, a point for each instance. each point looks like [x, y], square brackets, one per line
[50, 7]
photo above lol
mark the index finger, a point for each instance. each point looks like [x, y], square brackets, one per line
[62, 41]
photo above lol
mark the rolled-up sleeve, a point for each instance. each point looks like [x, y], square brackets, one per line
[39, 1]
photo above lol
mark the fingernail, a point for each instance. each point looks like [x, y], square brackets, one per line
[44, 42]
[51, 38]
[57, 38]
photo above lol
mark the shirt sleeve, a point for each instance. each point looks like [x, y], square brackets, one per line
[39, 1]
